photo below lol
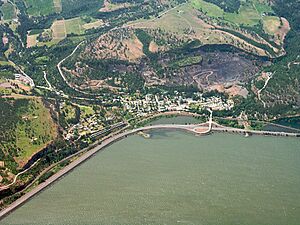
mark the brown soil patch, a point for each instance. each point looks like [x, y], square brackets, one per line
[234, 90]
[237, 90]
[31, 40]
[201, 129]
[97, 84]
[153, 47]
[135, 48]
[119, 44]
[109, 7]
[283, 30]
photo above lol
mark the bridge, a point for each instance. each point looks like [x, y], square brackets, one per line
[208, 127]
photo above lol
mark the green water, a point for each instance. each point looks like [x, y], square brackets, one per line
[177, 178]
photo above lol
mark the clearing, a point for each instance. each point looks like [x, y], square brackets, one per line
[8, 11]
[39, 7]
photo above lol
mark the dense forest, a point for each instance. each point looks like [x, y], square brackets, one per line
[227, 5]
[283, 91]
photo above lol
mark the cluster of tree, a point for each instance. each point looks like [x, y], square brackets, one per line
[231, 6]
[282, 93]
[251, 41]
[10, 116]
[73, 8]
[146, 39]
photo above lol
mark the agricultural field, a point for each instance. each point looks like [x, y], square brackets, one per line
[91, 25]
[32, 40]
[60, 29]
[8, 11]
[188, 61]
[271, 24]
[74, 26]
[36, 132]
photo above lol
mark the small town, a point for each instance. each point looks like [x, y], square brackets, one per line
[146, 105]
[162, 103]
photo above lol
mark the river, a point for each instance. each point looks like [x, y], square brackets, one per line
[176, 178]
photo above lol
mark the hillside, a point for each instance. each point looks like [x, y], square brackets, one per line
[26, 128]
[283, 91]
[141, 38]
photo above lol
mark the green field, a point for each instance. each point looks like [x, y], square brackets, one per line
[249, 14]
[209, 9]
[40, 7]
[8, 11]
[35, 130]
[74, 26]
[271, 24]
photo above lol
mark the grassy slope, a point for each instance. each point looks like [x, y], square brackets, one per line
[184, 19]
[39, 126]
[249, 14]
[39, 7]
[29, 130]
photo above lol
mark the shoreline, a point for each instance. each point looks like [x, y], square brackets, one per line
[187, 128]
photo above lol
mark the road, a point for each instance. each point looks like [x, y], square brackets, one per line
[15, 179]
[196, 77]
[31, 82]
[62, 74]
[265, 85]
[48, 83]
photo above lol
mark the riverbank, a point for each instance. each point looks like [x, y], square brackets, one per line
[189, 128]
[157, 181]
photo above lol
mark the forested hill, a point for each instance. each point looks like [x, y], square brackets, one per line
[283, 92]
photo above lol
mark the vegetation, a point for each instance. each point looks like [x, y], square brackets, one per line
[282, 93]
[227, 5]
[73, 8]
[39, 7]
[26, 127]
[8, 11]
[188, 61]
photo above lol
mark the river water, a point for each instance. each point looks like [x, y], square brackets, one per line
[176, 178]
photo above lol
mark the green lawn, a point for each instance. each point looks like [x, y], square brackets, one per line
[40, 7]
